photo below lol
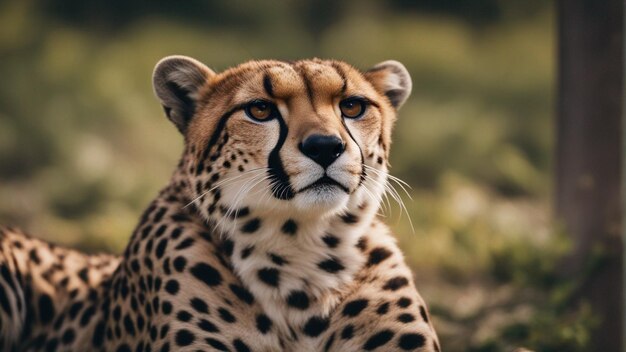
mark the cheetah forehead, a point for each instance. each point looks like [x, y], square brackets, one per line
[287, 80]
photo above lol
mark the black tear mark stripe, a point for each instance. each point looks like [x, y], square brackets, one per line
[281, 188]
[362, 178]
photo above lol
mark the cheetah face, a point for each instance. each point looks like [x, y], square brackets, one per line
[310, 137]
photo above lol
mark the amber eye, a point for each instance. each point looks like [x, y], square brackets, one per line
[352, 108]
[260, 110]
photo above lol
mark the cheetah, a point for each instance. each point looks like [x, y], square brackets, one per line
[266, 238]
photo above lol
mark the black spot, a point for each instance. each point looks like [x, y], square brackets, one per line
[46, 309]
[362, 244]
[145, 232]
[216, 344]
[423, 313]
[184, 337]
[298, 299]
[186, 243]
[172, 287]
[245, 253]
[242, 293]
[117, 313]
[240, 346]
[377, 255]
[165, 347]
[207, 274]
[68, 336]
[348, 332]
[159, 215]
[383, 308]
[396, 283]
[83, 274]
[278, 260]
[75, 309]
[227, 247]
[199, 305]
[159, 232]
[207, 326]
[98, 335]
[123, 348]
[166, 307]
[34, 257]
[404, 302]
[134, 265]
[411, 341]
[243, 212]
[331, 241]
[59, 321]
[179, 230]
[270, 276]
[290, 227]
[263, 323]
[349, 218]
[251, 226]
[226, 315]
[179, 263]
[354, 308]
[315, 326]
[378, 340]
[129, 325]
[183, 316]
[164, 330]
[52, 345]
[406, 318]
[160, 249]
[140, 322]
[332, 265]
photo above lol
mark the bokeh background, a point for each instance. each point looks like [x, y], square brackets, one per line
[84, 145]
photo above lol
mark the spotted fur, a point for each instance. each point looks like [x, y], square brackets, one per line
[265, 239]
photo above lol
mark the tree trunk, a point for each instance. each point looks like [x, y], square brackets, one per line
[589, 156]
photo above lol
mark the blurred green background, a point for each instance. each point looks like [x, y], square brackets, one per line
[84, 145]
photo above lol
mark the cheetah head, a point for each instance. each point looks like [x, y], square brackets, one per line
[310, 137]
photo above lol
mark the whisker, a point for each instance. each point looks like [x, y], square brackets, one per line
[391, 190]
[236, 201]
[224, 181]
[240, 196]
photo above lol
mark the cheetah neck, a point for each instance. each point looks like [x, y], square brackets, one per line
[296, 267]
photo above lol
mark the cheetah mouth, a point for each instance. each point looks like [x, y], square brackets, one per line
[324, 183]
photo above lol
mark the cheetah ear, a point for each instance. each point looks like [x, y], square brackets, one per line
[392, 79]
[177, 81]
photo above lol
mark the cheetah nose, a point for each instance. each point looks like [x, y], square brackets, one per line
[322, 149]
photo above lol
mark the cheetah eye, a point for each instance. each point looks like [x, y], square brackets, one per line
[352, 108]
[260, 110]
